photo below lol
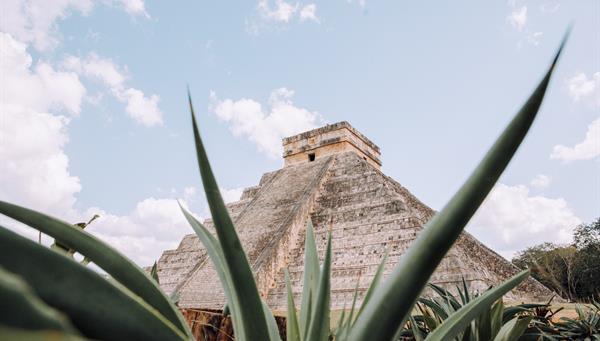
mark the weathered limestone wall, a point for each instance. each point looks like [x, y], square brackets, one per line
[343, 191]
[329, 140]
[276, 255]
[261, 224]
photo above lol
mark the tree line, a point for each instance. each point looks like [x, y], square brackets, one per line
[571, 270]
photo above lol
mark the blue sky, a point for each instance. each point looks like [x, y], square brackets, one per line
[97, 120]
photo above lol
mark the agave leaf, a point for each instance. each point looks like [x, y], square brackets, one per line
[446, 297]
[415, 329]
[462, 318]
[292, 329]
[318, 329]
[22, 309]
[16, 334]
[374, 284]
[513, 329]
[430, 321]
[462, 296]
[271, 323]
[439, 312]
[390, 306]
[112, 261]
[310, 278]
[344, 323]
[154, 273]
[254, 326]
[88, 299]
[341, 324]
[211, 244]
[466, 291]
[484, 325]
[353, 306]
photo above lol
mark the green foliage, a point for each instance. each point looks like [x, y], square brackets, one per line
[439, 316]
[585, 327]
[571, 270]
[121, 268]
[85, 297]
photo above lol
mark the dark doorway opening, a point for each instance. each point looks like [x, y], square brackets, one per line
[311, 157]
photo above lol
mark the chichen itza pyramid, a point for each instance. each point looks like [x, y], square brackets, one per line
[331, 175]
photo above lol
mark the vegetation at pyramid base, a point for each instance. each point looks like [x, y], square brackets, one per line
[49, 293]
[571, 270]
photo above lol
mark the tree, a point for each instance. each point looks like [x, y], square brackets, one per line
[573, 271]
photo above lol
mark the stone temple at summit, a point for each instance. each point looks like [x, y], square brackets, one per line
[332, 176]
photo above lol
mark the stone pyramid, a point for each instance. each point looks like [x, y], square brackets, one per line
[331, 175]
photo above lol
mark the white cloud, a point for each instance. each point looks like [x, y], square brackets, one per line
[141, 108]
[36, 104]
[361, 3]
[134, 7]
[39, 88]
[584, 89]
[232, 194]
[280, 15]
[265, 127]
[309, 13]
[587, 149]
[550, 7]
[534, 38]
[34, 167]
[153, 226]
[541, 181]
[282, 12]
[511, 219]
[34, 21]
[518, 18]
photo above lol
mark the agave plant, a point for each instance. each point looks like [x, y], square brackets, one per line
[51, 295]
[523, 321]
[585, 327]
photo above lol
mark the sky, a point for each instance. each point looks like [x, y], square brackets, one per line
[94, 117]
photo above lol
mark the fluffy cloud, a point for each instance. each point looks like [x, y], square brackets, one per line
[518, 18]
[153, 226]
[31, 21]
[231, 195]
[134, 7]
[265, 127]
[540, 181]
[584, 89]
[140, 107]
[511, 219]
[309, 13]
[587, 149]
[33, 164]
[283, 11]
[37, 101]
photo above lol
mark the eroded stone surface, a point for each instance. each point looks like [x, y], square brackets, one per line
[367, 213]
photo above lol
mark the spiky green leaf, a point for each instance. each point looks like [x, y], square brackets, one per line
[310, 278]
[21, 308]
[98, 308]
[390, 306]
[318, 329]
[462, 318]
[292, 329]
[110, 260]
[513, 329]
[254, 326]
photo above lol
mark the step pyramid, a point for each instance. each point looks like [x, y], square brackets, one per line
[332, 176]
